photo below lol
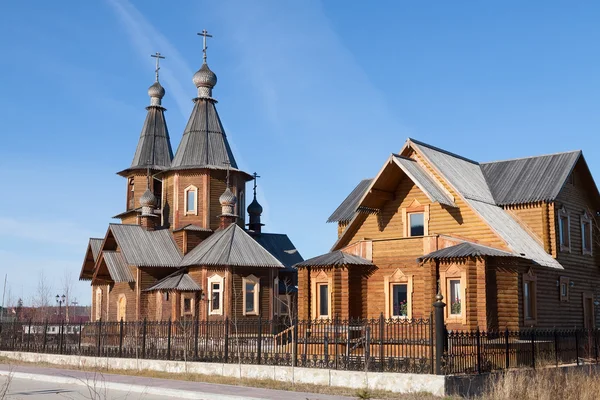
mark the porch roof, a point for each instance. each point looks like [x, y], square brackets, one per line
[465, 249]
[179, 281]
[333, 259]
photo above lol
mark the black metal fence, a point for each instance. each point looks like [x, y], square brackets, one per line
[394, 345]
[478, 352]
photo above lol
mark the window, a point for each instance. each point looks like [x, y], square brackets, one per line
[122, 308]
[455, 297]
[157, 189]
[251, 290]
[586, 234]
[417, 224]
[453, 285]
[166, 296]
[130, 194]
[216, 285]
[323, 300]
[98, 304]
[187, 306]
[529, 298]
[564, 288]
[399, 300]
[284, 304]
[564, 234]
[191, 200]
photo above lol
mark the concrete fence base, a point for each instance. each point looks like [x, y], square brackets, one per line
[393, 382]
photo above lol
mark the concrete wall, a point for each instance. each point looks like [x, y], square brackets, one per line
[393, 382]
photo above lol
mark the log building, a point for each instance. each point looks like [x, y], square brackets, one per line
[182, 249]
[508, 244]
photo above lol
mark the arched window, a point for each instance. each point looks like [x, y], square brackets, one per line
[98, 304]
[190, 200]
[122, 308]
[251, 295]
[130, 194]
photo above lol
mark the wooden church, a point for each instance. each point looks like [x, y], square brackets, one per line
[508, 244]
[182, 249]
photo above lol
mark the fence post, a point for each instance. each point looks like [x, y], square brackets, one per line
[259, 349]
[381, 332]
[506, 348]
[79, 343]
[556, 346]
[431, 360]
[121, 338]
[144, 339]
[295, 343]
[226, 339]
[439, 332]
[336, 321]
[577, 346]
[326, 350]
[367, 346]
[533, 348]
[45, 335]
[595, 333]
[169, 340]
[29, 335]
[478, 338]
[99, 337]
[196, 333]
[60, 337]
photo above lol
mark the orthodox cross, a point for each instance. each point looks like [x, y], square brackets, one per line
[228, 165]
[158, 56]
[204, 35]
[255, 175]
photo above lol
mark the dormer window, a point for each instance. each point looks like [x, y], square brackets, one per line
[586, 234]
[564, 234]
[191, 200]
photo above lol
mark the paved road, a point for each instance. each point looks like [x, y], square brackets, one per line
[29, 382]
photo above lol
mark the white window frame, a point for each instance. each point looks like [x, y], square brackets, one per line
[188, 189]
[586, 219]
[563, 213]
[256, 298]
[221, 281]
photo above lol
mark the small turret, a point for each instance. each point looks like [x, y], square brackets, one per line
[228, 201]
[255, 211]
[148, 201]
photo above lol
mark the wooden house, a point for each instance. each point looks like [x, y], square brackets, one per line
[182, 249]
[508, 244]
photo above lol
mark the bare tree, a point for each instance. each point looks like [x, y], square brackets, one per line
[67, 288]
[43, 296]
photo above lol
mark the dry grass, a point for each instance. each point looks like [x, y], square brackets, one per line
[545, 384]
[257, 383]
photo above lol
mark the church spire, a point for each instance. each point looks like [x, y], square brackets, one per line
[154, 146]
[204, 79]
[255, 211]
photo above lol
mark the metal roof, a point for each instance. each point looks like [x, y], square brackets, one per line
[334, 258]
[179, 281]
[423, 180]
[117, 267]
[144, 248]
[463, 174]
[345, 211]
[204, 143]
[125, 213]
[280, 246]
[96, 246]
[465, 249]
[231, 246]
[530, 179]
[192, 227]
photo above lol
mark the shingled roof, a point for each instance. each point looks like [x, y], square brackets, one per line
[89, 261]
[345, 211]
[281, 247]
[465, 249]
[231, 246]
[144, 248]
[531, 179]
[178, 280]
[333, 259]
[117, 267]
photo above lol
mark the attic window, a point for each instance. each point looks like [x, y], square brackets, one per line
[586, 234]
[417, 224]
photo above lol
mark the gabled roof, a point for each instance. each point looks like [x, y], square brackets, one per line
[204, 143]
[178, 280]
[231, 246]
[531, 179]
[465, 249]
[89, 261]
[333, 259]
[347, 209]
[144, 248]
[154, 146]
[117, 267]
[423, 180]
[280, 246]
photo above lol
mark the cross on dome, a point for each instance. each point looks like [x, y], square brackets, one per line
[158, 56]
[204, 35]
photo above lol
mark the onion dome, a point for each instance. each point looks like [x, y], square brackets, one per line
[205, 80]
[255, 208]
[148, 199]
[227, 198]
[156, 93]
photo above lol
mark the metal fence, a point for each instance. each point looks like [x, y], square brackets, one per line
[394, 345]
[478, 352]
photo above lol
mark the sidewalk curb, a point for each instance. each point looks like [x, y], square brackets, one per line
[131, 388]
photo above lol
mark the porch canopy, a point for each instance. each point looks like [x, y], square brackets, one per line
[179, 281]
[465, 249]
[335, 259]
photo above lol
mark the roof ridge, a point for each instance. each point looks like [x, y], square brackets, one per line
[418, 142]
[531, 157]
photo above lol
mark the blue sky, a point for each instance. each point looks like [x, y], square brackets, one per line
[314, 96]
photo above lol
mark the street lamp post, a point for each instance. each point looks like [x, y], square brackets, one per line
[60, 300]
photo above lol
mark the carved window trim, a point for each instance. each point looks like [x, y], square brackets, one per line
[321, 279]
[187, 190]
[190, 297]
[530, 279]
[585, 219]
[564, 219]
[221, 281]
[454, 272]
[396, 278]
[415, 208]
[251, 279]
